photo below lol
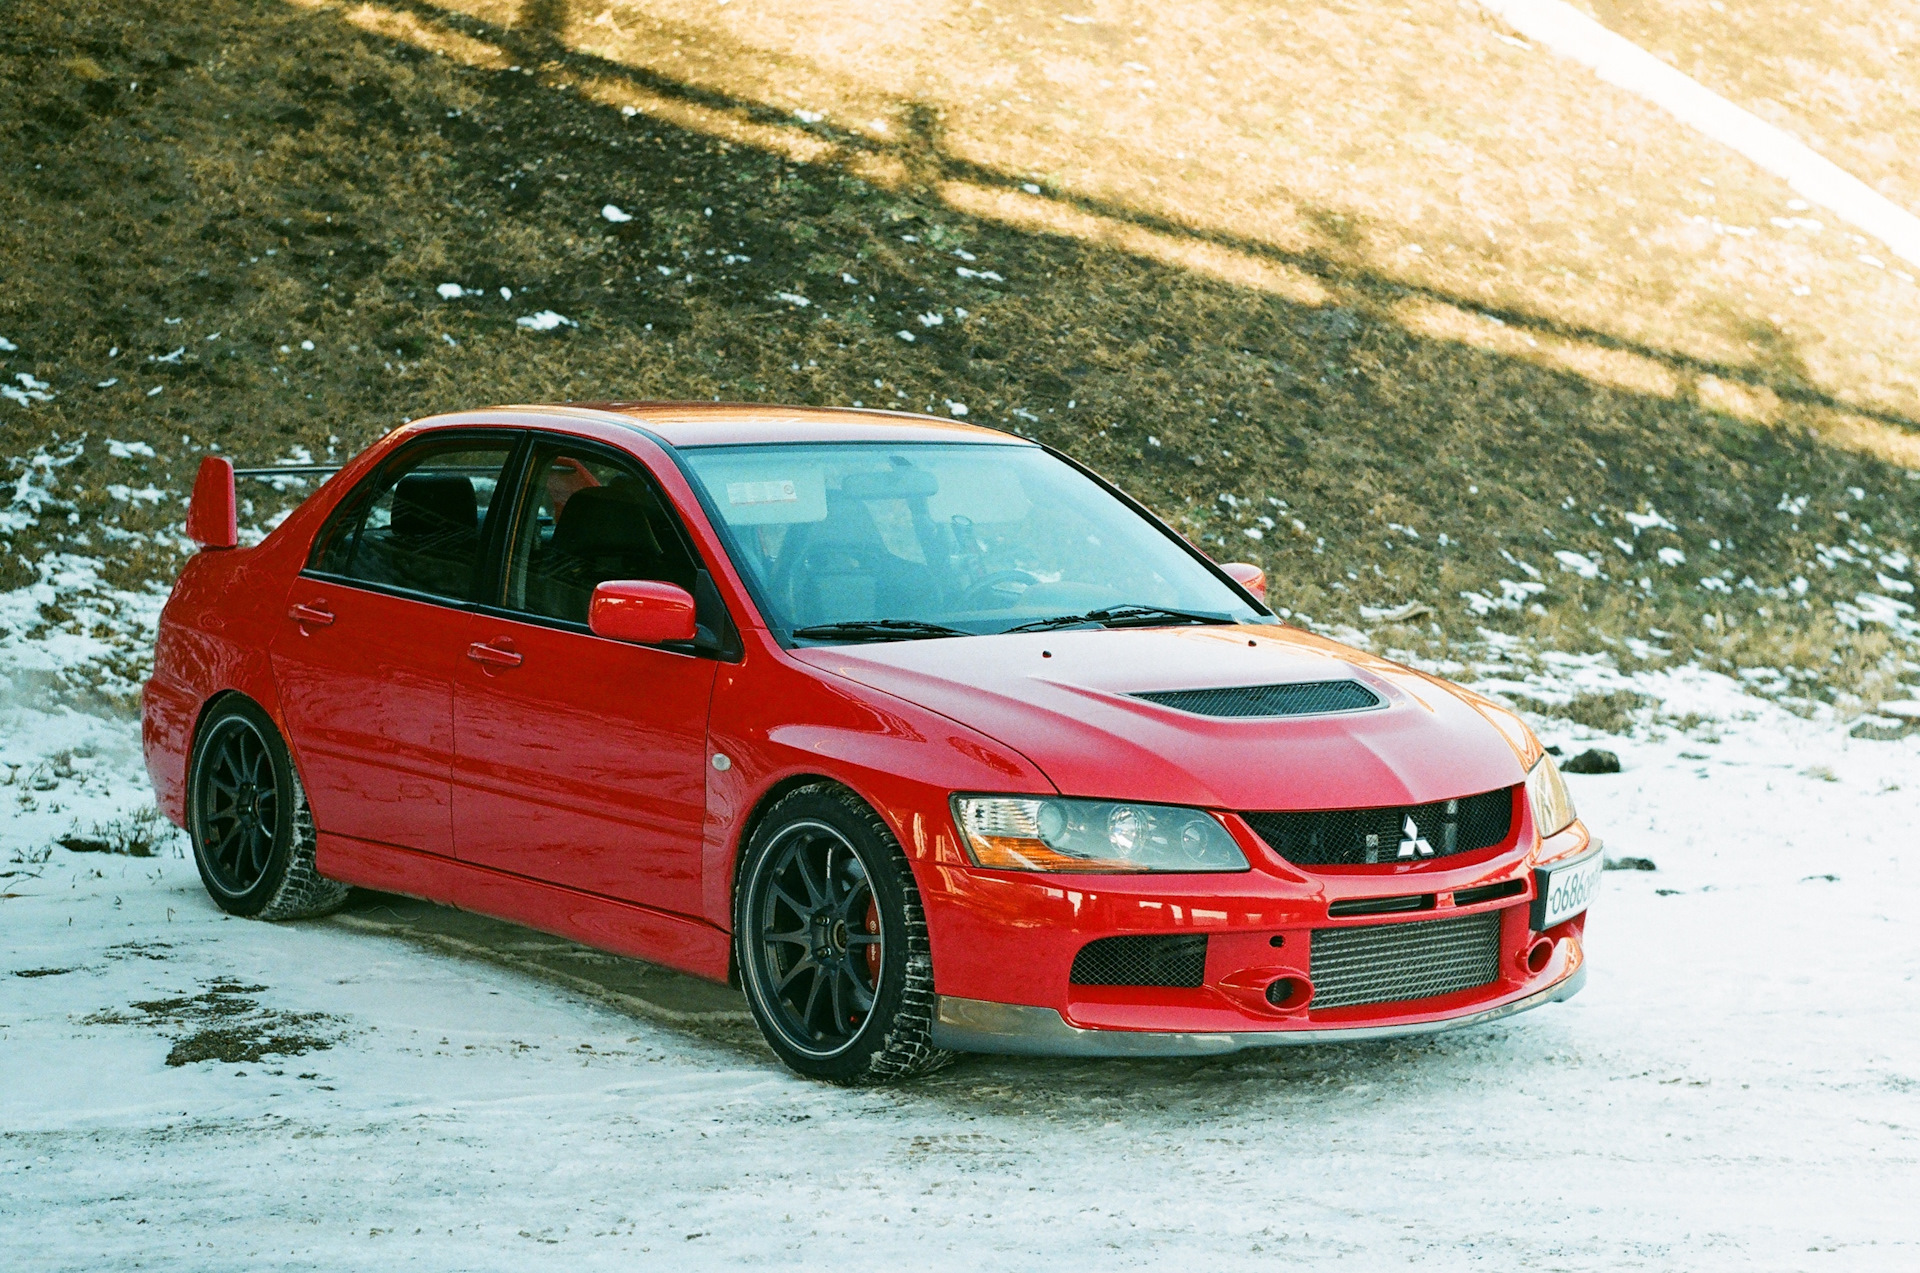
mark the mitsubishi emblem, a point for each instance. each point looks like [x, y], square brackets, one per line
[1412, 843]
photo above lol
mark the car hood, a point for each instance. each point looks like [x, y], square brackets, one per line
[1066, 700]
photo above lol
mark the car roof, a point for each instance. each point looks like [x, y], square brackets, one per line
[695, 424]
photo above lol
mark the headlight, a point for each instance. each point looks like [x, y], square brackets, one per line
[1016, 833]
[1547, 793]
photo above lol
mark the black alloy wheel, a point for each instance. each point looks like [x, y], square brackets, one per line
[253, 835]
[818, 928]
[832, 944]
[239, 805]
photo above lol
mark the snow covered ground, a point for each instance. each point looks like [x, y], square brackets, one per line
[1738, 1087]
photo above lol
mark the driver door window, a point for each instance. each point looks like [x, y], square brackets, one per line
[589, 519]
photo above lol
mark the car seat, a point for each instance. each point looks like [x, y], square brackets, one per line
[603, 532]
[838, 569]
[433, 534]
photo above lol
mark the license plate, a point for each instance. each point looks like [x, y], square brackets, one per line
[1563, 891]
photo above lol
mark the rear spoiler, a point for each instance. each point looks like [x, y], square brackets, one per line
[213, 513]
[291, 470]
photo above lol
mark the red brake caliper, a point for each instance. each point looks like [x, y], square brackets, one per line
[873, 951]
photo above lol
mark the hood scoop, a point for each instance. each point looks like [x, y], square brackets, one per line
[1297, 698]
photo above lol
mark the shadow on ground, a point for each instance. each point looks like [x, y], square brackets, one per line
[712, 1015]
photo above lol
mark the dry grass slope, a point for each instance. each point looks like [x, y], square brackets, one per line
[191, 195]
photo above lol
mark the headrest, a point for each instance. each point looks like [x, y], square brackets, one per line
[848, 522]
[605, 521]
[426, 505]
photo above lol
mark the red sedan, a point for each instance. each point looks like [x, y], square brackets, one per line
[923, 734]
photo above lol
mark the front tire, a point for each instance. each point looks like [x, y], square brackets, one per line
[252, 831]
[831, 942]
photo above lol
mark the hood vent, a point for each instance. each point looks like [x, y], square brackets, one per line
[1300, 698]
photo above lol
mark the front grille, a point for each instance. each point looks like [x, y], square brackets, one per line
[1300, 698]
[1386, 963]
[1354, 837]
[1142, 961]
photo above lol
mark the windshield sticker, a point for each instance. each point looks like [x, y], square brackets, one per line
[775, 492]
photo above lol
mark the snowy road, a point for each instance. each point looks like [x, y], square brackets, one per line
[1738, 1087]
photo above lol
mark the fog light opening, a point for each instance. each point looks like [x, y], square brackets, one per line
[1539, 955]
[1290, 993]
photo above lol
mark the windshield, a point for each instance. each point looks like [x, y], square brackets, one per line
[883, 541]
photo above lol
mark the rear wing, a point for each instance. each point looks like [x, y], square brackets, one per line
[213, 513]
[291, 470]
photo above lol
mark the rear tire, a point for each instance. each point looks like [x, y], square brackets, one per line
[831, 942]
[252, 832]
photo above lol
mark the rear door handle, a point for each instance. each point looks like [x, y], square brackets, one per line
[310, 616]
[493, 655]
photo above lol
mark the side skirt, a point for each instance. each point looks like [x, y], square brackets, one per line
[622, 928]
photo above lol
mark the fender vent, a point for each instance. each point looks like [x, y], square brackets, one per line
[1142, 961]
[1299, 698]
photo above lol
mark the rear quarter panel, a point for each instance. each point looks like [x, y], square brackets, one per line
[214, 632]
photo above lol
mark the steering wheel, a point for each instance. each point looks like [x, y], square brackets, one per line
[974, 596]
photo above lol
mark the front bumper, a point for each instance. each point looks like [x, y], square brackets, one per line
[975, 1025]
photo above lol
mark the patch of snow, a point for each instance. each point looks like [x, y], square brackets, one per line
[1647, 521]
[149, 494]
[545, 321]
[613, 213]
[1585, 567]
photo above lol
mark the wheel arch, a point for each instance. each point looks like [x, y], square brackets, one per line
[207, 708]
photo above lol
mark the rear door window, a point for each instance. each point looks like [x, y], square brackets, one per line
[419, 524]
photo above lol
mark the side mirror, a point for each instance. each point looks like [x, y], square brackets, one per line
[1248, 576]
[213, 517]
[642, 611]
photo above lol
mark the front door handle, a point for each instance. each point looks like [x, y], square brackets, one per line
[493, 655]
[310, 616]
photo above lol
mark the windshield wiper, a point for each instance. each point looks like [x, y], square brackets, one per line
[1127, 616]
[878, 630]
